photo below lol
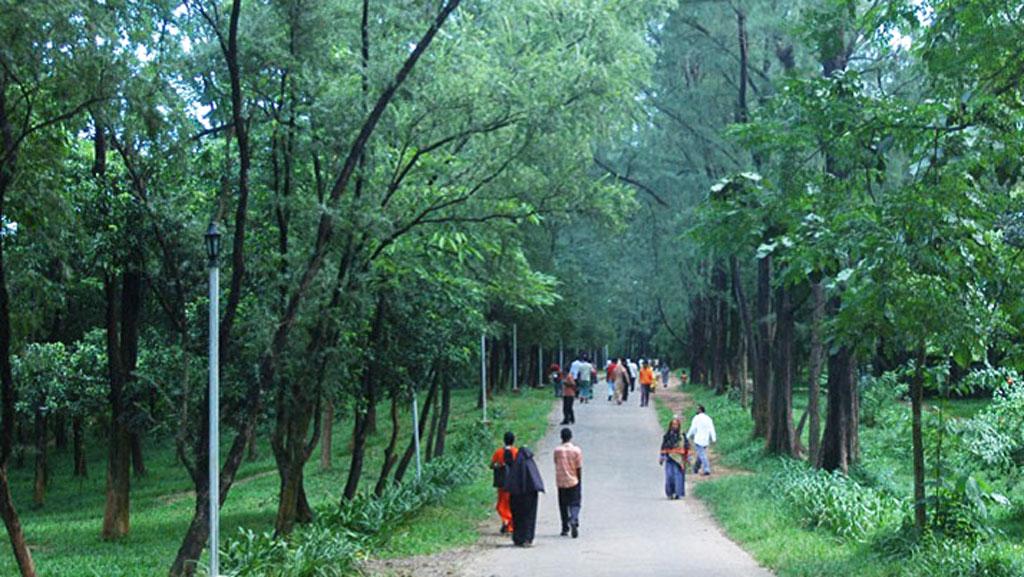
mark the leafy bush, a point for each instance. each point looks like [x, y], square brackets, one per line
[995, 436]
[329, 546]
[986, 380]
[836, 502]
[929, 555]
[959, 508]
[879, 396]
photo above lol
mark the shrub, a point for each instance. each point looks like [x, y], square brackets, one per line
[837, 503]
[879, 396]
[340, 534]
[930, 556]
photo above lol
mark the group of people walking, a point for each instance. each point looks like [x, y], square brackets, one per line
[621, 377]
[518, 479]
[519, 484]
[675, 451]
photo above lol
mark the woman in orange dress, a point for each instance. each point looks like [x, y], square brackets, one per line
[501, 460]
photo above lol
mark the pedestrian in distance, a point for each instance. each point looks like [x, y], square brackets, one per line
[634, 372]
[569, 479]
[568, 399]
[666, 374]
[582, 372]
[555, 378]
[702, 434]
[501, 461]
[609, 378]
[675, 455]
[523, 484]
[646, 378]
[621, 375]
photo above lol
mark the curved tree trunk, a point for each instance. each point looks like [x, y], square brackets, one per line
[389, 451]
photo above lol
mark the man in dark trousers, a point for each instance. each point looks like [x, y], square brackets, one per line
[568, 478]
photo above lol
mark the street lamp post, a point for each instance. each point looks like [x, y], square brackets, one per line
[213, 252]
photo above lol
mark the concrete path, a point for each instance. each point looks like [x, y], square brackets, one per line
[627, 526]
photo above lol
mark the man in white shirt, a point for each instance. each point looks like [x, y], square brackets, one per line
[583, 371]
[634, 372]
[702, 434]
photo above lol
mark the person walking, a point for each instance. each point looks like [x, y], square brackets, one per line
[702, 433]
[665, 374]
[675, 455]
[568, 398]
[646, 384]
[501, 461]
[609, 378]
[555, 377]
[582, 372]
[634, 372]
[569, 479]
[523, 483]
[621, 375]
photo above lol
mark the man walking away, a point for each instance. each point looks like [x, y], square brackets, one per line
[568, 477]
[666, 374]
[568, 398]
[582, 371]
[702, 433]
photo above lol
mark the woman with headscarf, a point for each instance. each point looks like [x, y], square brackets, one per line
[675, 454]
[501, 462]
[523, 483]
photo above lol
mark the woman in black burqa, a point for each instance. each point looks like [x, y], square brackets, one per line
[523, 482]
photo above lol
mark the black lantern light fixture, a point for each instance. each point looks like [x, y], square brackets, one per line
[213, 243]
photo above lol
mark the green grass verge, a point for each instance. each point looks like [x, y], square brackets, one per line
[64, 535]
[748, 507]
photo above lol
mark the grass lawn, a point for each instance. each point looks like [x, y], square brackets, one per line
[65, 534]
[749, 510]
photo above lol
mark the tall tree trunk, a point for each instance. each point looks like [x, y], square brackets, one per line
[60, 431]
[719, 326]
[360, 427]
[817, 359]
[78, 446]
[138, 464]
[117, 510]
[410, 451]
[389, 451]
[780, 430]
[327, 437]
[837, 450]
[446, 411]
[698, 341]
[39, 492]
[743, 307]
[195, 537]
[916, 403]
[763, 368]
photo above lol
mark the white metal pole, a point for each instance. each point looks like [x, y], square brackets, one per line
[214, 462]
[561, 355]
[416, 435]
[483, 373]
[540, 365]
[515, 358]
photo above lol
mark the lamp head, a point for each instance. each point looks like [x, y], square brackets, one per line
[213, 243]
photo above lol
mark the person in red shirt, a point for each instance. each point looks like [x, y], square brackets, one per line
[501, 460]
[568, 399]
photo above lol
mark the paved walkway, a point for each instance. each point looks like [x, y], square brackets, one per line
[627, 528]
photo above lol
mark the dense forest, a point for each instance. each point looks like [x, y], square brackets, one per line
[814, 197]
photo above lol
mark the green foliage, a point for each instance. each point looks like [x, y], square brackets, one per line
[835, 502]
